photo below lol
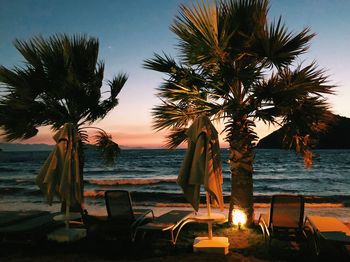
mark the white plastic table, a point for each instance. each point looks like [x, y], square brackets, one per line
[67, 234]
[210, 244]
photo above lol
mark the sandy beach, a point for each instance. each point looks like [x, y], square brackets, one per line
[321, 209]
[338, 210]
[245, 244]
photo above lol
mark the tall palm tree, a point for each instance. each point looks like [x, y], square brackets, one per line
[236, 67]
[60, 81]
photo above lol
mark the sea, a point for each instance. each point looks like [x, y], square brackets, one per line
[150, 175]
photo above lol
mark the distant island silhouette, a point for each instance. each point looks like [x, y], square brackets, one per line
[336, 137]
[24, 147]
[7, 147]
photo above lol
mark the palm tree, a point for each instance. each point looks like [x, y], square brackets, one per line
[237, 68]
[61, 81]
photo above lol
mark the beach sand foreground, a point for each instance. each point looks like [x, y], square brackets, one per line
[245, 244]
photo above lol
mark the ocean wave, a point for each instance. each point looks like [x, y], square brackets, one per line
[256, 205]
[164, 199]
[11, 190]
[132, 181]
[93, 193]
[8, 169]
[117, 171]
[289, 179]
[17, 181]
[274, 189]
[25, 182]
[150, 176]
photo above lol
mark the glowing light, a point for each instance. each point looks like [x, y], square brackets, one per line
[239, 218]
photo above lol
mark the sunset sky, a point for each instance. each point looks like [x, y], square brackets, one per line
[131, 31]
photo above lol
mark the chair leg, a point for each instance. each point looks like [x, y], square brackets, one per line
[269, 243]
[134, 236]
[173, 241]
[312, 241]
[265, 231]
[178, 229]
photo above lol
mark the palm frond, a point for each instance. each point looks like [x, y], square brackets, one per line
[117, 84]
[59, 82]
[176, 137]
[281, 47]
[168, 115]
[107, 147]
[236, 66]
[101, 108]
[164, 64]
[198, 33]
[303, 118]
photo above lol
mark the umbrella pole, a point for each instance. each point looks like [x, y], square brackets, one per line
[67, 215]
[210, 226]
[208, 203]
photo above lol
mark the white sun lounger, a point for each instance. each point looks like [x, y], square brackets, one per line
[326, 230]
[172, 221]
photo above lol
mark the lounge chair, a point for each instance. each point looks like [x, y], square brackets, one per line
[325, 233]
[24, 226]
[122, 219]
[13, 217]
[172, 222]
[285, 220]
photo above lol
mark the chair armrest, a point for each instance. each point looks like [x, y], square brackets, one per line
[140, 217]
[139, 213]
[264, 224]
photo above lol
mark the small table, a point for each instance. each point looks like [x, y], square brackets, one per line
[64, 217]
[209, 219]
[67, 234]
[64, 234]
[210, 244]
[213, 217]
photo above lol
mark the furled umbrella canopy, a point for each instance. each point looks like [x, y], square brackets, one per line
[60, 174]
[202, 164]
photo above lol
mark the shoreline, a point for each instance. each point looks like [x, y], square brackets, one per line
[169, 197]
[320, 209]
[162, 202]
[324, 209]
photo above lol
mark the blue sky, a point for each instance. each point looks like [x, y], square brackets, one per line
[131, 31]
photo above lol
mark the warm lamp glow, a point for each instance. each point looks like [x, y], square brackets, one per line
[239, 217]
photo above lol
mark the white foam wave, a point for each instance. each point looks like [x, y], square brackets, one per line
[131, 181]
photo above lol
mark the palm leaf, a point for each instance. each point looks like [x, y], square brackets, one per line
[235, 66]
[108, 149]
[281, 47]
[60, 82]
[176, 137]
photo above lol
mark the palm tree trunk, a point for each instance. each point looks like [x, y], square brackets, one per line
[241, 167]
[242, 196]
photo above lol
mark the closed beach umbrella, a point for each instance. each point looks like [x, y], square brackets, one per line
[60, 174]
[202, 164]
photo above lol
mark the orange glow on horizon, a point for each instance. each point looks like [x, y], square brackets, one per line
[135, 136]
